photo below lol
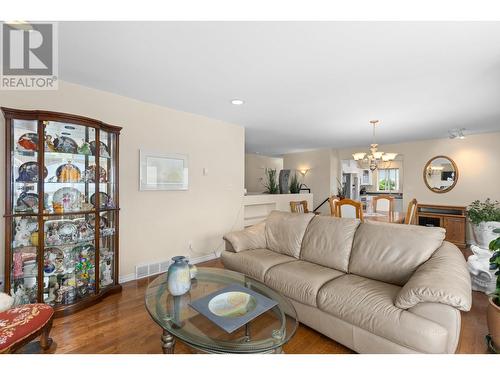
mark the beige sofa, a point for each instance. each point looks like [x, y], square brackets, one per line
[373, 287]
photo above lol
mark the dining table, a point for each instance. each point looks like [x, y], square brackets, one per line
[398, 217]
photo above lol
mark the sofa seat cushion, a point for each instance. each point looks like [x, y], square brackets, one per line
[300, 280]
[392, 252]
[369, 304]
[285, 231]
[328, 241]
[254, 263]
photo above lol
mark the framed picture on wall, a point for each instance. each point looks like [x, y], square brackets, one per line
[161, 171]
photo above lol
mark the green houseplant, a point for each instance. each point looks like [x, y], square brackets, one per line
[294, 184]
[493, 312]
[341, 189]
[271, 183]
[484, 217]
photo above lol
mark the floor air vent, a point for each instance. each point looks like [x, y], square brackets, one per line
[141, 271]
[145, 270]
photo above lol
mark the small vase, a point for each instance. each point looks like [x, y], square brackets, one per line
[178, 278]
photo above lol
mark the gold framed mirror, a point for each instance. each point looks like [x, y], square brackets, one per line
[440, 174]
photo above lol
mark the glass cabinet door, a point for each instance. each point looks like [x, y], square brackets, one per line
[24, 173]
[24, 261]
[23, 205]
[69, 258]
[107, 248]
[107, 170]
[70, 162]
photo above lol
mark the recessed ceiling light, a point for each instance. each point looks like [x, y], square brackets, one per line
[237, 102]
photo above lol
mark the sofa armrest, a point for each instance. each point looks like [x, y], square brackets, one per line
[253, 237]
[443, 278]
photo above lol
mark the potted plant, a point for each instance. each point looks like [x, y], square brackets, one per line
[341, 189]
[493, 312]
[294, 184]
[271, 184]
[485, 218]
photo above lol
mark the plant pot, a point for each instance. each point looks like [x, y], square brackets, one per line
[493, 318]
[483, 233]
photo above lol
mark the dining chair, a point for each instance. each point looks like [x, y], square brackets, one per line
[333, 201]
[411, 213]
[384, 203]
[299, 207]
[349, 208]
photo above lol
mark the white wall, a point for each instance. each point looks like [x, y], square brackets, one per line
[157, 225]
[322, 164]
[255, 171]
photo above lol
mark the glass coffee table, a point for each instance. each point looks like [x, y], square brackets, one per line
[265, 334]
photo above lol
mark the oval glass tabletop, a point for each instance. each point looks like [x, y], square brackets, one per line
[267, 332]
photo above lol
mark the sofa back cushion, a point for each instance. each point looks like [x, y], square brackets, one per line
[392, 252]
[285, 231]
[328, 241]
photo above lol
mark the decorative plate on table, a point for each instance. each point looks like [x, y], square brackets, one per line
[27, 202]
[28, 142]
[232, 304]
[68, 198]
[68, 173]
[103, 149]
[232, 307]
[90, 174]
[66, 144]
[104, 199]
[28, 172]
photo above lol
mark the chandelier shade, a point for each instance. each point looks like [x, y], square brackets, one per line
[374, 156]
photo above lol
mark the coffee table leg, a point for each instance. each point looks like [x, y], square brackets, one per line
[167, 342]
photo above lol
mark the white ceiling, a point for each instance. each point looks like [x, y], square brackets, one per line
[306, 84]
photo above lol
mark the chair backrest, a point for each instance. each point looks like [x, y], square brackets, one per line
[411, 213]
[349, 208]
[299, 207]
[383, 203]
[333, 201]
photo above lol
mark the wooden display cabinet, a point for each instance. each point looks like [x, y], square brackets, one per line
[61, 220]
[451, 218]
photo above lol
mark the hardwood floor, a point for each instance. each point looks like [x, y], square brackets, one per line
[121, 324]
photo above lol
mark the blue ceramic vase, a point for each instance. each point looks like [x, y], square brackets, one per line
[179, 279]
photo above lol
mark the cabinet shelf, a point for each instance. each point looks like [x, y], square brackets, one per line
[68, 213]
[82, 277]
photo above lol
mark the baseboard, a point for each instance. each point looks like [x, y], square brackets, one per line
[204, 258]
[124, 278]
[131, 276]
[195, 260]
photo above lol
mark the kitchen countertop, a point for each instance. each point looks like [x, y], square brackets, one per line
[394, 194]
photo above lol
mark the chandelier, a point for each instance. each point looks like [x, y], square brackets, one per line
[374, 157]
